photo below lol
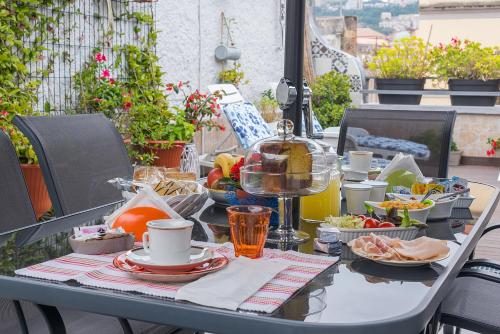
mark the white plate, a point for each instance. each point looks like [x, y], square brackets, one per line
[406, 263]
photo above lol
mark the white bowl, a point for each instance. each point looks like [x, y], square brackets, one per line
[441, 210]
[418, 214]
[403, 233]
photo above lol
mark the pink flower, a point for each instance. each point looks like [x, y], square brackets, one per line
[455, 41]
[195, 107]
[188, 105]
[97, 100]
[4, 113]
[441, 46]
[180, 84]
[112, 81]
[105, 74]
[99, 57]
[170, 87]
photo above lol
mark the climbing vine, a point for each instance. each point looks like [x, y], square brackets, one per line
[24, 30]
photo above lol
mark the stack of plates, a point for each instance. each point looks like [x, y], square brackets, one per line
[138, 264]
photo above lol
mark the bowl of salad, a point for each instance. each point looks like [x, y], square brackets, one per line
[416, 209]
[352, 227]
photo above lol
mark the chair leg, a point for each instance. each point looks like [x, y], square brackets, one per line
[20, 315]
[448, 329]
[52, 318]
[127, 329]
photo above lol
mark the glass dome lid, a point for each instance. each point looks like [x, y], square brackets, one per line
[285, 165]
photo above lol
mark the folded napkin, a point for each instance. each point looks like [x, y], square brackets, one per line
[230, 287]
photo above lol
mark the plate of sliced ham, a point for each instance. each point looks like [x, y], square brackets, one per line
[397, 252]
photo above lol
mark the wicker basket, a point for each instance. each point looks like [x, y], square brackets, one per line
[402, 233]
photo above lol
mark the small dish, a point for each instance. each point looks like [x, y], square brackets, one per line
[418, 214]
[403, 233]
[213, 265]
[441, 210]
[102, 246]
[140, 258]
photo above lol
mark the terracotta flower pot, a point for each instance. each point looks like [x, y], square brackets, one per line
[167, 157]
[37, 189]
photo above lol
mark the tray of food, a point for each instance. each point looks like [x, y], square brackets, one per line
[352, 227]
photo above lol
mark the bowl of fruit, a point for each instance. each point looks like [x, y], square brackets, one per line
[223, 180]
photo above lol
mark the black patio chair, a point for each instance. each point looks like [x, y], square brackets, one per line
[424, 134]
[473, 303]
[78, 154]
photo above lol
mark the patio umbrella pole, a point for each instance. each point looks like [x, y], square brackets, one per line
[294, 71]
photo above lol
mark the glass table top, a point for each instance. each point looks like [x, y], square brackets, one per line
[350, 292]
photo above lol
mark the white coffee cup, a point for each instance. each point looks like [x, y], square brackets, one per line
[360, 160]
[378, 190]
[168, 241]
[356, 195]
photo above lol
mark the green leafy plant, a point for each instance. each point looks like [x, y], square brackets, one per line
[454, 146]
[466, 60]
[199, 109]
[331, 97]
[268, 106]
[100, 93]
[407, 58]
[138, 104]
[21, 21]
[233, 75]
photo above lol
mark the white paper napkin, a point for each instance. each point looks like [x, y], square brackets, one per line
[233, 285]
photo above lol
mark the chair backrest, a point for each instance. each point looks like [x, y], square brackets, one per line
[15, 204]
[78, 154]
[230, 93]
[425, 134]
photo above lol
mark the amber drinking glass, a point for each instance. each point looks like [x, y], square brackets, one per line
[248, 225]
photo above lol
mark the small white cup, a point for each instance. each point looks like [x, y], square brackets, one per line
[360, 160]
[378, 190]
[356, 195]
[168, 241]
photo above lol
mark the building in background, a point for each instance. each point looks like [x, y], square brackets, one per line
[407, 22]
[475, 20]
[369, 40]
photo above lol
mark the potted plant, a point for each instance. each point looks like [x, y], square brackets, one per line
[494, 146]
[455, 155]
[404, 66]
[233, 75]
[268, 107]
[329, 107]
[32, 172]
[468, 67]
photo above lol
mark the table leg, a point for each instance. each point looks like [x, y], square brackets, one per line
[52, 318]
[21, 317]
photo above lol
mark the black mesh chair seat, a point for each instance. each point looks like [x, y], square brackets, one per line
[473, 304]
[424, 134]
[78, 155]
[15, 204]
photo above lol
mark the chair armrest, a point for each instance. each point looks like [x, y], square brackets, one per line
[472, 269]
[35, 232]
[489, 229]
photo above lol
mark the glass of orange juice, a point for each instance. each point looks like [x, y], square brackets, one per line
[248, 226]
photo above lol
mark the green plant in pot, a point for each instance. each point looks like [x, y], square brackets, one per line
[402, 66]
[268, 107]
[455, 154]
[330, 97]
[233, 75]
[468, 67]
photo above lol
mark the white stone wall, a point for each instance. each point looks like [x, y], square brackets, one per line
[190, 32]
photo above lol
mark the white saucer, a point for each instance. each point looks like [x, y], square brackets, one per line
[199, 255]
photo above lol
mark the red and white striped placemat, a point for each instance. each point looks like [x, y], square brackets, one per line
[98, 271]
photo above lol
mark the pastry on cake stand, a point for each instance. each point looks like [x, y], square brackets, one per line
[285, 166]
